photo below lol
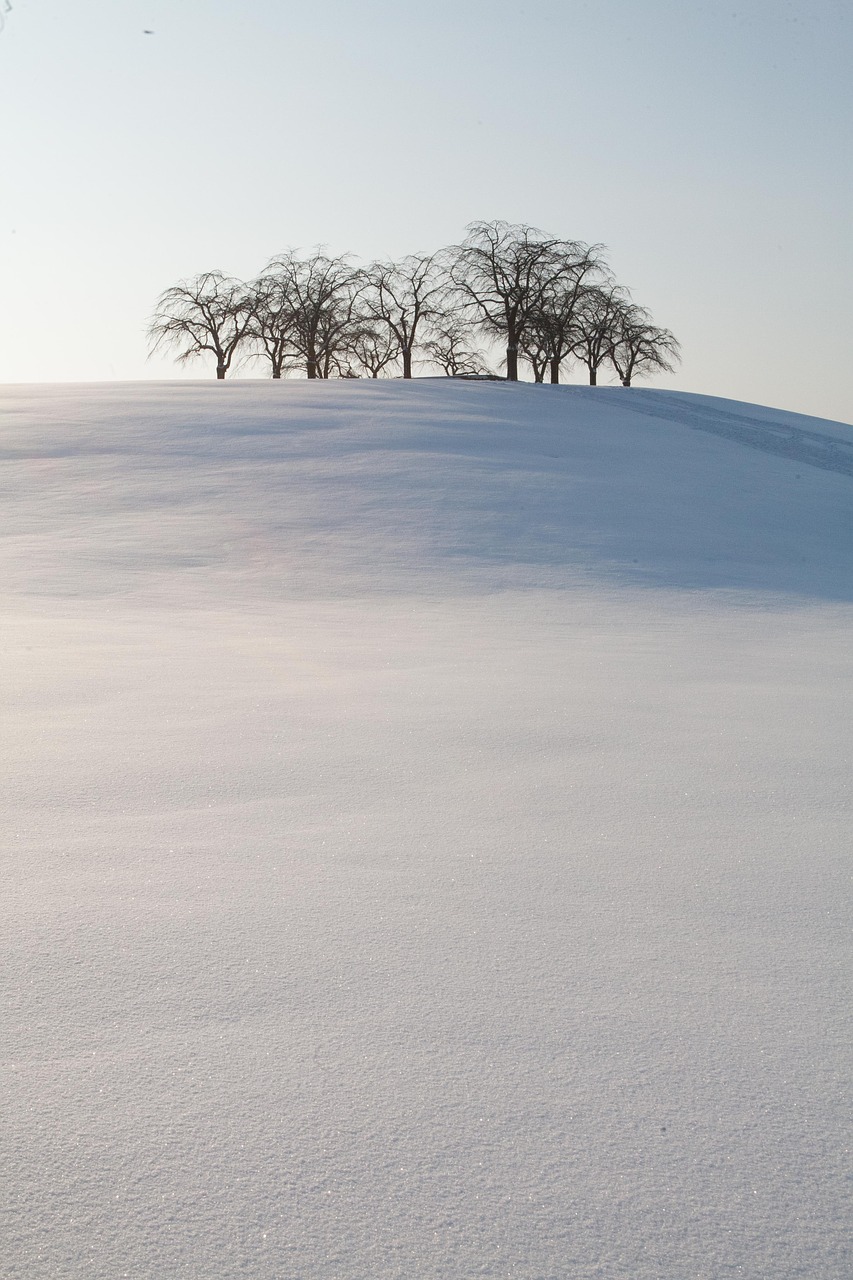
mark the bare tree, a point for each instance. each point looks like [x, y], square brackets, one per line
[405, 295]
[323, 292]
[448, 348]
[501, 273]
[552, 330]
[546, 298]
[598, 315]
[536, 346]
[272, 325]
[210, 313]
[639, 347]
[373, 347]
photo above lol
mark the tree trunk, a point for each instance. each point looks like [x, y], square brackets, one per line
[512, 364]
[220, 371]
[593, 376]
[407, 363]
[555, 370]
[312, 369]
[626, 382]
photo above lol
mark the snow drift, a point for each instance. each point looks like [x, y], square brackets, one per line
[426, 833]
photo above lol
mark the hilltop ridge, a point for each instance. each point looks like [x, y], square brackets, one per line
[390, 485]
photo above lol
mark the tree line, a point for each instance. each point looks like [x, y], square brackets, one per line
[543, 300]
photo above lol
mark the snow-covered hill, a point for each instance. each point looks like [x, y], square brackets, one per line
[426, 833]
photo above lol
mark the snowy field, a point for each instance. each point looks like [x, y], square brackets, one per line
[426, 834]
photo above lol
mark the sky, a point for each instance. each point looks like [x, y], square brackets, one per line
[706, 145]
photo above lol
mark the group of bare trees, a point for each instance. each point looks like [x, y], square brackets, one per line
[541, 299]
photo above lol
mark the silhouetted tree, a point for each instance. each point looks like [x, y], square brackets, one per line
[323, 292]
[536, 346]
[598, 313]
[639, 347]
[448, 348]
[405, 296]
[546, 298]
[552, 330]
[373, 347]
[211, 313]
[500, 274]
[272, 326]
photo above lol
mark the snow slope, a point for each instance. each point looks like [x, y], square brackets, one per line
[426, 834]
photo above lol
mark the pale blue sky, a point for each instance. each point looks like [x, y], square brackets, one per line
[708, 145]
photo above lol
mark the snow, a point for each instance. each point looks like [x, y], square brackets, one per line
[426, 834]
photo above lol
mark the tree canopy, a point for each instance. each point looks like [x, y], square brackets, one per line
[540, 299]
